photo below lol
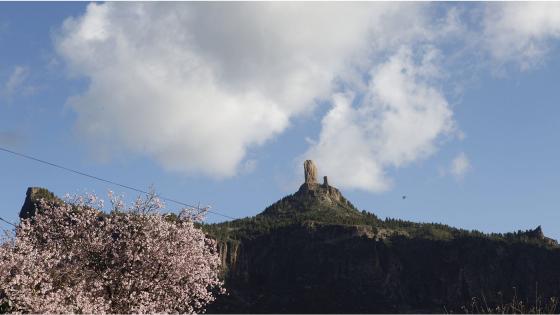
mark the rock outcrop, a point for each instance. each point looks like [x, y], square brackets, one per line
[32, 197]
[310, 172]
[538, 234]
[312, 196]
[314, 252]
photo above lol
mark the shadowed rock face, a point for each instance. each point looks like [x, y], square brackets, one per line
[315, 268]
[309, 266]
[32, 197]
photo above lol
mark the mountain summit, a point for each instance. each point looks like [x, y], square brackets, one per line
[314, 252]
[312, 200]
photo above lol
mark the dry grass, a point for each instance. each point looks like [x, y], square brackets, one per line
[539, 305]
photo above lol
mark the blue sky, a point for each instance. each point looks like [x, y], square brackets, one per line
[453, 105]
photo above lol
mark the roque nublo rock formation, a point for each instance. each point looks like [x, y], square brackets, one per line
[310, 172]
[314, 252]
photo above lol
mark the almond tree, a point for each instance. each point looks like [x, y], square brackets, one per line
[73, 258]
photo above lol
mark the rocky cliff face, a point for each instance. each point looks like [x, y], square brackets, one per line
[32, 197]
[315, 268]
[311, 197]
[317, 254]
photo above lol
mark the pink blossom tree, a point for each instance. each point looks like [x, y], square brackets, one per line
[73, 258]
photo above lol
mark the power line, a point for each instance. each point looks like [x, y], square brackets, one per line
[107, 181]
[10, 223]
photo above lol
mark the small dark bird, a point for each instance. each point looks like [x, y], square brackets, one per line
[403, 197]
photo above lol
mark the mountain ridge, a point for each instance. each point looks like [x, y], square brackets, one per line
[325, 204]
[314, 252]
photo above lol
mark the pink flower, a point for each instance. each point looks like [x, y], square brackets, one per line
[73, 258]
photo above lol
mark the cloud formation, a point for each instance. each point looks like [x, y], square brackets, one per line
[520, 32]
[460, 166]
[196, 85]
[398, 121]
[15, 81]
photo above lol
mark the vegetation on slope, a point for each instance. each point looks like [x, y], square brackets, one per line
[296, 210]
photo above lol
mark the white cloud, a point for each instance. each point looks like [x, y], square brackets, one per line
[15, 80]
[345, 150]
[398, 121]
[460, 166]
[195, 85]
[520, 32]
